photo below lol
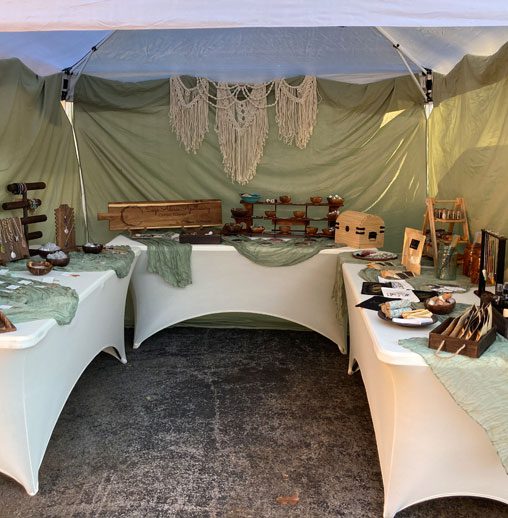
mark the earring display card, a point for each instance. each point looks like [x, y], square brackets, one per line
[65, 229]
[12, 240]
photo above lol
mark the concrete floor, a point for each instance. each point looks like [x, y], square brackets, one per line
[209, 423]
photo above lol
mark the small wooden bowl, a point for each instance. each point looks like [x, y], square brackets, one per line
[439, 309]
[327, 231]
[94, 249]
[311, 231]
[316, 200]
[258, 230]
[285, 229]
[299, 214]
[270, 213]
[59, 262]
[239, 212]
[39, 267]
[45, 253]
[285, 199]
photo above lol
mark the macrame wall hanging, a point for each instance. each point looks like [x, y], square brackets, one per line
[296, 110]
[241, 119]
[242, 127]
[188, 112]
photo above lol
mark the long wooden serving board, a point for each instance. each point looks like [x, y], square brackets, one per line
[130, 215]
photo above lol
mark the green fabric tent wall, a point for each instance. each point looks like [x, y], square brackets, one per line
[36, 143]
[368, 145]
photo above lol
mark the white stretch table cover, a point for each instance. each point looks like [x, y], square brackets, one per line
[226, 282]
[428, 446]
[41, 362]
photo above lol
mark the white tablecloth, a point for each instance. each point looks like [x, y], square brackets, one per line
[41, 362]
[226, 282]
[428, 446]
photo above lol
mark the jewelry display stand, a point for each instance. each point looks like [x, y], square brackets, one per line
[64, 225]
[28, 205]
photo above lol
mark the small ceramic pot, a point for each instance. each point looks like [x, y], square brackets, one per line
[316, 200]
[299, 214]
[285, 199]
[311, 231]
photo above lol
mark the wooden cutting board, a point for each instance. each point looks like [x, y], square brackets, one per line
[162, 214]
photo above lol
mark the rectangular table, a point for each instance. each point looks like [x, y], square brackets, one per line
[226, 282]
[428, 446]
[41, 362]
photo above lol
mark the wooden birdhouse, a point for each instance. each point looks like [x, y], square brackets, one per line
[359, 230]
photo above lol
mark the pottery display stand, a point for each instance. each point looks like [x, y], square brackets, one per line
[430, 221]
[283, 219]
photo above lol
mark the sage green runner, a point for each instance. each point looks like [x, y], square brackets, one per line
[339, 292]
[478, 385]
[117, 258]
[35, 300]
[169, 259]
[419, 282]
[267, 252]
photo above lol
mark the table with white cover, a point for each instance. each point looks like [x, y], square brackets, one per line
[223, 281]
[428, 446]
[41, 362]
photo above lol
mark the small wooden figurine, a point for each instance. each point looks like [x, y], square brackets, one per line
[359, 229]
[6, 326]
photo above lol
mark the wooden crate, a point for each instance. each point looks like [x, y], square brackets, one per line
[452, 344]
[162, 214]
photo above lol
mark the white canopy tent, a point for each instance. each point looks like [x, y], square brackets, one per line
[249, 41]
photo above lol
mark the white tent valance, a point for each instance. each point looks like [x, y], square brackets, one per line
[34, 15]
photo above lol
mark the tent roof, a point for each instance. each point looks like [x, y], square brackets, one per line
[249, 40]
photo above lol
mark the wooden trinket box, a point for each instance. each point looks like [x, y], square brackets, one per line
[452, 345]
[359, 229]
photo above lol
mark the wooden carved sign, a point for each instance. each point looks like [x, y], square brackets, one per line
[163, 214]
[65, 231]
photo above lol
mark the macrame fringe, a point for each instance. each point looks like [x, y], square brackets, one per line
[296, 110]
[242, 128]
[188, 112]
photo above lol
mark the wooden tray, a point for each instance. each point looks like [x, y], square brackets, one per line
[452, 344]
[163, 214]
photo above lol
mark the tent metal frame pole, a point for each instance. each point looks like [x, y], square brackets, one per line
[74, 71]
[403, 54]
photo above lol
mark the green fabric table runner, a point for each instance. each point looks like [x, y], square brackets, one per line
[35, 300]
[267, 252]
[478, 385]
[118, 258]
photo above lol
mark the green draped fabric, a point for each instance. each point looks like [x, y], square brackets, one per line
[266, 252]
[37, 300]
[118, 259]
[36, 144]
[368, 145]
[468, 139]
[169, 259]
[478, 385]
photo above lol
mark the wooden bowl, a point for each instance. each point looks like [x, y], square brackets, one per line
[45, 253]
[92, 249]
[299, 214]
[311, 231]
[270, 214]
[316, 200]
[327, 231]
[258, 230]
[439, 309]
[59, 262]
[285, 199]
[285, 229]
[239, 212]
[39, 267]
